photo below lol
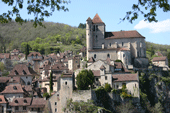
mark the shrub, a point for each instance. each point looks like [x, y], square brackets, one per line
[118, 60]
[108, 87]
[46, 95]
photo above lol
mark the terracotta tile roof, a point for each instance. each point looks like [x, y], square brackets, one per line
[102, 67]
[27, 87]
[91, 60]
[88, 19]
[15, 80]
[3, 100]
[159, 54]
[123, 34]
[4, 79]
[21, 102]
[118, 65]
[47, 67]
[159, 59]
[108, 49]
[4, 55]
[14, 88]
[125, 77]
[97, 19]
[123, 49]
[65, 60]
[38, 102]
[34, 54]
[125, 69]
[66, 75]
[96, 73]
[59, 66]
[22, 69]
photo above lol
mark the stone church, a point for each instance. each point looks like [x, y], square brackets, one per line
[123, 45]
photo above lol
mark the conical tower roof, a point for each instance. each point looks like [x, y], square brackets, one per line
[97, 19]
[88, 19]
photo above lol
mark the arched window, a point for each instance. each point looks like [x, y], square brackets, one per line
[28, 83]
[108, 55]
[16, 101]
[65, 83]
[94, 55]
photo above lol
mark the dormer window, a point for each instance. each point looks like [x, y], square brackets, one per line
[65, 83]
[16, 101]
[36, 55]
[16, 73]
[15, 88]
[24, 72]
[0, 100]
[25, 101]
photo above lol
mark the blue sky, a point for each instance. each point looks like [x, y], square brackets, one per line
[110, 11]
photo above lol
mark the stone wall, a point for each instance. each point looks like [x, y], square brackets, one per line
[82, 95]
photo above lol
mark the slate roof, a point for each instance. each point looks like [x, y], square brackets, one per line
[97, 19]
[96, 73]
[159, 59]
[123, 34]
[3, 100]
[38, 102]
[19, 69]
[125, 77]
[21, 102]
[11, 89]
[34, 54]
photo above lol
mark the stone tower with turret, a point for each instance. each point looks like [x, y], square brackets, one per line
[95, 33]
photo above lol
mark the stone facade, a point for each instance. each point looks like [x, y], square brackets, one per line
[122, 45]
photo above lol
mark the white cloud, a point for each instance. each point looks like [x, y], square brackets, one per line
[160, 26]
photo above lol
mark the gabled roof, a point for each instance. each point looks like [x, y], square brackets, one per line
[97, 19]
[34, 54]
[159, 54]
[96, 73]
[102, 67]
[91, 60]
[123, 34]
[88, 19]
[21, 102]
[118, 65]
[124, 77]
[59, 66]
[27, 87]
[22, 69]
[4, 79]
[14, 88]
[4, 55]
[38, 102]
[159, 59]
[3, 99]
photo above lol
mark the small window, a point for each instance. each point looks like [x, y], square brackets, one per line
[14, 87]
[123, 55]
[25, 101]
[110, 44]
[94, 55]
[24, 72]
[105, 77]
[16, 101]
[38, 109]
[28, 83]
[55, 103]
[108, 55]
[16, 73]
[57, 94]
[97, 28]
[26, 77]
[55, 109]
[24, 107]
[16, 108]
[97, 79]
[117, 86]
[0, 100]
[36, 55]
[94, 28]
[135, 85]
[65, 83]
[122, 44]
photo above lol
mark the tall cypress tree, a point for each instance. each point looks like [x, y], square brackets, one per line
[51, 81]
[27, 51]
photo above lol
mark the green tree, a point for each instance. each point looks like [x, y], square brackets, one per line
[150, 7]
[126, 108]
[168, 56]
[37, 7]
[2, 66]
[81, 25]
[51, 81]
[108, 87]
[27, 51]
[84, 79]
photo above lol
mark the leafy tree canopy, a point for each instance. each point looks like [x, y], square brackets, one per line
[36, 7]
[148, 9]
[84, 79]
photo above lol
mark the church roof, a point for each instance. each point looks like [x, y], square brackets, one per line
[123, 34]
[88, 19]
[97, 19]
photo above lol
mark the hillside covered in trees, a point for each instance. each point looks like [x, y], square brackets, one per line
[55, 37]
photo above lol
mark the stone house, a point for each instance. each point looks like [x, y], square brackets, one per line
[131, 81]
[13, 91]
[161, 62]
[74, 63]
[123, 45]
[24, 72]
[35, 59]
[20, 105]
[3, 104]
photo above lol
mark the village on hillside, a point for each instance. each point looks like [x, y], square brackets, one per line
[54, 83]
